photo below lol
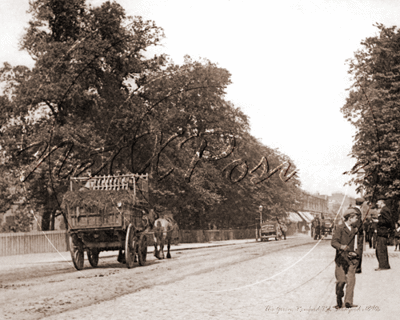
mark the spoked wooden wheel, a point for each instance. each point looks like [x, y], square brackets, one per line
[76, 249]
[93, 257]
[130, 246]
[142, 250]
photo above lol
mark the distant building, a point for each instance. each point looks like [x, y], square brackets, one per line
[311, 206]
[339, 202]
[317, 205]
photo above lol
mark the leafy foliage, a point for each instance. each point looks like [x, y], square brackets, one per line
[373, 107]
[21, 222]
[105, 106]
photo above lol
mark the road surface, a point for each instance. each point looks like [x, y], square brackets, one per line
[292, 279]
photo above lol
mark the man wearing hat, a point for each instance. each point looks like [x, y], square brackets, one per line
[316, 225]
[374, 223]
[384, 227]
[359, 242]
[346, 259]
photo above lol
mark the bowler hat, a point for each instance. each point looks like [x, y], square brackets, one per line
[382, 197]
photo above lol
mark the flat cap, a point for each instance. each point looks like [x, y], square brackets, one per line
[360, 200]
[349, 212]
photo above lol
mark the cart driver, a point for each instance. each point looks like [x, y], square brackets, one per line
[89, 183]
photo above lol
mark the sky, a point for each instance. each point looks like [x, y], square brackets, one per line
[287, 60]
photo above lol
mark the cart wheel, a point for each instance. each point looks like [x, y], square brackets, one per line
[76, 249]
[142, 250]
[93, 257]
[130, 246]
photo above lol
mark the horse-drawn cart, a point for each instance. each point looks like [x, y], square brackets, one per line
[270, 229]
[326, 227]
[106, 213]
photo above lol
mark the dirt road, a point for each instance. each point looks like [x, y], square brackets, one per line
[275, 280]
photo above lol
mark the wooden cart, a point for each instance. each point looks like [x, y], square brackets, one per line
[105, 213]
[270, 229]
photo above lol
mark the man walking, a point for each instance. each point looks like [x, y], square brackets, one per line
[384, 227]
[346, 259]
[283, 229]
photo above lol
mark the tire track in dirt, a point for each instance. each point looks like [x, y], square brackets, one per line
[44, 296]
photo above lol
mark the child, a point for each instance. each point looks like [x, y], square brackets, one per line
[345, 271]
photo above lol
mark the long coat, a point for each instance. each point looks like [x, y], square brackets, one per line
[385, 223]
[360, 233]
[343, 236]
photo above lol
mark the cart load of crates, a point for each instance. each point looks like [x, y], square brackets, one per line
[106, 213]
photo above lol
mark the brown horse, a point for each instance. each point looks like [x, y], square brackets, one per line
[163, 230]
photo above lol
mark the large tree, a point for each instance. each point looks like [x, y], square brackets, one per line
[373, 107]
[105, 105]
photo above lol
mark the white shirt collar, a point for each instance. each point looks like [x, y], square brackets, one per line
[349, 227]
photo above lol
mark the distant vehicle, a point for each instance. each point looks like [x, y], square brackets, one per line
[270, 229]
[327, 226]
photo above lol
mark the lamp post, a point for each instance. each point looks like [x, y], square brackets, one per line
[258, 232]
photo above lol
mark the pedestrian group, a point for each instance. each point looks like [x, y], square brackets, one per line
[348, 239]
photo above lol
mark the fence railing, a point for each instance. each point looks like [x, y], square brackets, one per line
[32, 242]
[53, 241]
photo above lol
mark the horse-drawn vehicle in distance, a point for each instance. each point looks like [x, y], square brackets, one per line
[270, 229]
[326, 227]
[107, 213]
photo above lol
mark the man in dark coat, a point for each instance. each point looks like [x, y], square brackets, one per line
[316, 224]
[346, 265]
[384, 228]
[374, 227]
[283, 228]
[368, 232]
[360, 234]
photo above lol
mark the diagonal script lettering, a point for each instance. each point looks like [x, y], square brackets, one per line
[201, 154]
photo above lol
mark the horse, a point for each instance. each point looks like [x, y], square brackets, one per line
[148, 220]
[163, 230]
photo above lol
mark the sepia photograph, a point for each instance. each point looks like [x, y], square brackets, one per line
[226, 159]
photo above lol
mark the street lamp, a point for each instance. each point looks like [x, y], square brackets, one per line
[257, 232]
[260, 208]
